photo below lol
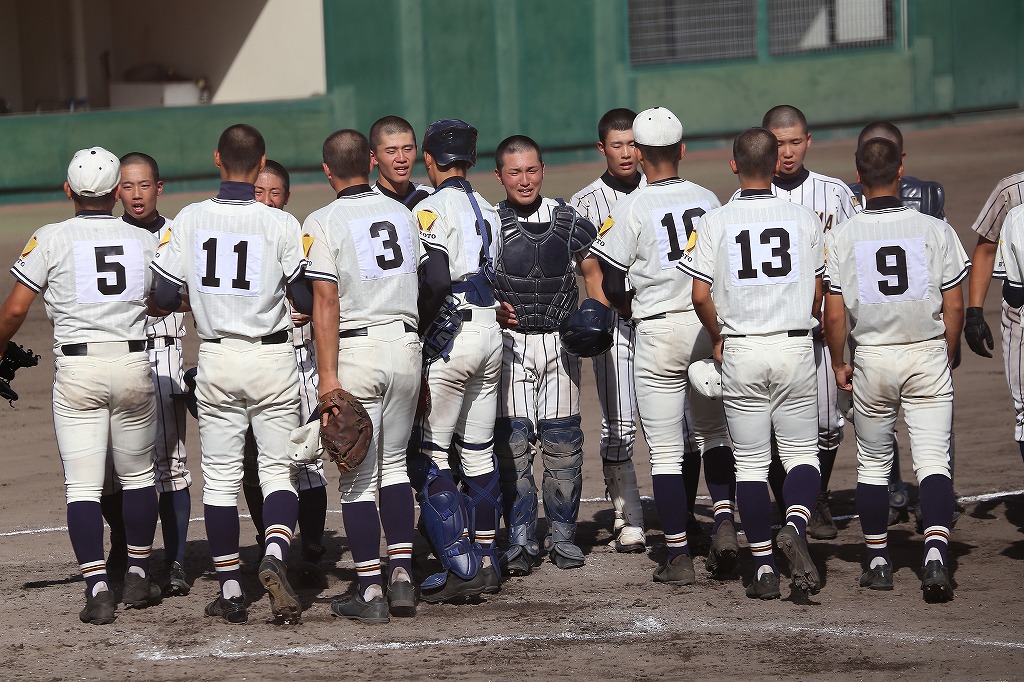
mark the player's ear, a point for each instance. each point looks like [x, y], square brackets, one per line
[497, 174]
[263, 163]
[682, 151]
[216, 159]
[159, 187]
[327, 172]
[808, 138]
[859, 181]
[373, 160]
[734, 168]
[67, 190]
[600, 148]
[899, 173]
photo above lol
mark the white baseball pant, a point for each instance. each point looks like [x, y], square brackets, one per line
[1013, 364]
[171, 461]
[539, 380]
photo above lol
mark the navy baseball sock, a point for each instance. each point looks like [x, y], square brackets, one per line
[720, 476]
[362, 527]
[140, 513]
[398, 517]
[873, 509]
[112, 506]
[280, 510]
[222, 534]
[777, 481]
[937, 503]
[801, 492]
[254, 500]
[85, 527]
[827, 460]
[484, 511]
[312, 519]
[669, 498]
[691, 477]
[175, 508]
[756, 509]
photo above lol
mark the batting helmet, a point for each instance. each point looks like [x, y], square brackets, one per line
[449, 140]
[588, 331]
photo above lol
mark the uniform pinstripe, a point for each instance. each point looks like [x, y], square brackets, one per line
[993, 217]
[1010, 267]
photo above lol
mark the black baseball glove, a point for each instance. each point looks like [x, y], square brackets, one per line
[15, 357]
[977, 333]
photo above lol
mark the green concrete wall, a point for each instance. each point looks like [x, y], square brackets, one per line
[548, 70]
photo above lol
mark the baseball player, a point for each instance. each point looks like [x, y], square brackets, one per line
[896, 274]
[928, 197]
[539, 244]
[1009, 267]
[643, 239]
[364, 253]
[91, 270]
[1007, 195]
[140, 186]
[756, 265]
[462, 353]
[833, 201]
[236, 257]
[273, 188]
[393, 154]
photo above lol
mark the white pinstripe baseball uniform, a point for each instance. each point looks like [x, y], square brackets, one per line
[92, 271]
[645, 237]
[834, 202]
[235, 257]
[369, 246]
[991, 220]
[762, 256]
[891, 264]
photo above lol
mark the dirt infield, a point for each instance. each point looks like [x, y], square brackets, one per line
[604, 621]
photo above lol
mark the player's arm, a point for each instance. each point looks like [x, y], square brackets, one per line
[593, 279]
[326, 315]
[708, 314]
[435, 285]
[300, 293]
[952, 318]
[976, 330]
[13, 313]
[166, 298]
[835, 336]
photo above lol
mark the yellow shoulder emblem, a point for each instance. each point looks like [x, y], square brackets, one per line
[32, 243]
[605, 226]
[691, 243]
[426, 219]
[307, 244]
[165, 239]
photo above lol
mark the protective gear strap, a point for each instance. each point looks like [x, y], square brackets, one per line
[446, 524]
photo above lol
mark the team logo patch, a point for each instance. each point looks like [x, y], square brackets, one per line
[165, 239]
[32, 243]
[856, 201]
[691, 243]
[307, 244]
[605, 226]
[426, 219]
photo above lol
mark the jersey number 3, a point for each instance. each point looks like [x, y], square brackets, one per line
[383, 246]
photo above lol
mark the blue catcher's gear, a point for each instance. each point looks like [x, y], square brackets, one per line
[513, 444]
[588, 331]
[536, 277]
[561, 442]
[450, 140]
[439, 337]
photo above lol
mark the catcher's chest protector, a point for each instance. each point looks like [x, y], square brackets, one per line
[534, 269]
[926, 196]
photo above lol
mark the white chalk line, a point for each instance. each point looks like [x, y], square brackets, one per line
[644, 629]
[968, 499]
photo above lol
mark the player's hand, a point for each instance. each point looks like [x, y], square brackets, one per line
[300, 320]
[323, 388]
[716, 351]
[977, 333]
[954, 357]
[506, 315]
[844, 376]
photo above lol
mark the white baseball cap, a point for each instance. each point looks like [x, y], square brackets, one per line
[94, 172]
[657, 127]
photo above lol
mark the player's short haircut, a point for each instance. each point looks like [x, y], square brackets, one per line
[784, 116]
[101, 203]
[667, 154]
[347, 154]
[241, 147]
[881, 129]
[389, 125]
[277, 170]
[617, 119]
[141, 159]
[756, 153]
[878, 162]
[515, 145]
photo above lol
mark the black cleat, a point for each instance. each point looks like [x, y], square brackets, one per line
[232, 610]
[878, 578]
[805, 573]
[140, 592]
[374, 612]
[724, 550]
[936, 585]
[284, 603]
[99, 609]
[765, 587]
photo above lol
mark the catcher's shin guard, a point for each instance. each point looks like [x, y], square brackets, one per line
[513, 444]
[620, 479]
[447, 529]
[562, 444]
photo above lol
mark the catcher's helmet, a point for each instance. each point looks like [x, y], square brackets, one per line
[588, 331]
[451, 139]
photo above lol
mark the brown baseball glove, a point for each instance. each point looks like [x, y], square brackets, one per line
[346, 435]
